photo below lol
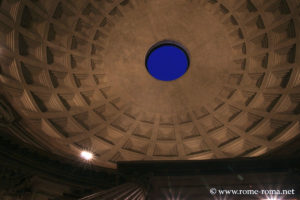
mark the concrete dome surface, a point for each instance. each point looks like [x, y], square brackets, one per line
[75, 73]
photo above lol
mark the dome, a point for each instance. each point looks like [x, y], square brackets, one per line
[75, 73]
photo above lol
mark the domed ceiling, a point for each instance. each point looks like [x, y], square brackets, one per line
[75, 72]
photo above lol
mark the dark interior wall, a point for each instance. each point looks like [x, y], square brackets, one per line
[30, 173]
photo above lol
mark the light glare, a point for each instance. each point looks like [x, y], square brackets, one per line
[272, 198]
[86, 155]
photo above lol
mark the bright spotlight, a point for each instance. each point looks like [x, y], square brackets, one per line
[272, 198]
[86, 155]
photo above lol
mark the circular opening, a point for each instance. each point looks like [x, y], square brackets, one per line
[167, 61]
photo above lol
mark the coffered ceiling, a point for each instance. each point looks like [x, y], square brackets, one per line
[75, 72]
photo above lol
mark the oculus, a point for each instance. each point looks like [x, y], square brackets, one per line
[167, 61]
